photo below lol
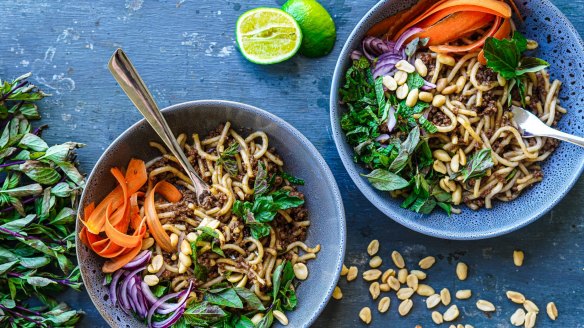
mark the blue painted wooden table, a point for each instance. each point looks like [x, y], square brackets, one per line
[185, 50]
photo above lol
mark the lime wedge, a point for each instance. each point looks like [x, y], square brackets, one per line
[267, 35]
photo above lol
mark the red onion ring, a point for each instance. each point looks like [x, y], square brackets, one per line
[113, 286]
[161, 301]
[405, 36]
[139, 260]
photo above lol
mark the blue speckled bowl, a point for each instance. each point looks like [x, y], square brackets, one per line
[561, 45]
[323, 199]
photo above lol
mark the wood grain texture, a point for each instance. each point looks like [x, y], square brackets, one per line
[185, 50]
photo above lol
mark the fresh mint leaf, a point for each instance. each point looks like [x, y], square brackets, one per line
[406, 150]
[385, 180]
[380, 95]
[414, 81]
[427, 125]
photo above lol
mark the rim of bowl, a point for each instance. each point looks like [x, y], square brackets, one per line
[349, 165]
[256, 110]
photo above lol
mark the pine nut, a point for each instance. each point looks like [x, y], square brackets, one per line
[257, 318]
[281, 317]
[337, 293]
[439, 167]
[344, 270]
[432, 301]
[530, 306]
[387, 274]
[441, 84]
[461, 271]
[371, 275]
[449, 90]
[530, 319]
[384, 304]
[457, 195]
[452, 313]
[552, 310]
[147, 243]
[384, 287]
[405, 293]
[485, 306]
[425, 290]
[518, 257]
[192, 237]
[173, 239]
[157, 262]
[151, 280]
[462, 156]
[460, 83]
[437, 317]
[375, 262]
[441, 155]
[446, 60]
[464, 294]
[501, 80]
[402, 91]
[421, 67]
[428, 261]
[445, 296]
[400, 77]
[405, 306]
[412, 281]
[374, 290]
[398, 260]
[394, 283]
[515, 297]
[455, 163]
[532, 44]
[373, 247]
[185, 259]
[412, 98]
[402, 276]
[389, 82]
[404, 65]
[420, 274]
[365, 315]
[185, 247]
[352, 274]
[234, 277]
[426, 96]
[518, 318]
[438, 101]
[300, 271]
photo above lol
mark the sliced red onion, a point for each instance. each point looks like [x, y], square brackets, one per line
[428, 86]
[173, 306]
[383, 70]
[405, 36]
[391, 121]
[161, 301]
[373, 47]
[139, 260]
[113, 286]
[382, 137]
[356, 55]
[170, 320]
[123, 291]
[147, 292]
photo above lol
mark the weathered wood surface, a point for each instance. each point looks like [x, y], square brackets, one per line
[185, 50]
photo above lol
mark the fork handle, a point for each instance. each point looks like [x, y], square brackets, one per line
[553, 133]
[134, 87]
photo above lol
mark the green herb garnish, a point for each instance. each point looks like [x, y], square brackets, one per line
[227, 159]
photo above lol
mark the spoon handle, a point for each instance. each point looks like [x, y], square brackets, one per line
[134, 87]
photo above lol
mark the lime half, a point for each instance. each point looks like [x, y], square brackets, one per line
[268, 35]
[318, 27]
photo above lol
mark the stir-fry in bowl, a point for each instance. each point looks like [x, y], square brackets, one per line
[238, 257]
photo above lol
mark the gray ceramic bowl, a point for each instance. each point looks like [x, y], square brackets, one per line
[301, 159]
[562, 47]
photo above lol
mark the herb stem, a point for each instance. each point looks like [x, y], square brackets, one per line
[20, 85]
[12, 163]
[42, 324]
[24, 202]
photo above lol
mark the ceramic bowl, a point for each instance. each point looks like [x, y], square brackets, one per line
[562, 47]
[301, 159]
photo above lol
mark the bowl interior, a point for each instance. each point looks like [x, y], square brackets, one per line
[562, 47]
[301, 159]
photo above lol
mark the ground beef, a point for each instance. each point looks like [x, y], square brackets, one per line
[485, 75]
[550, 144]
[437, 117]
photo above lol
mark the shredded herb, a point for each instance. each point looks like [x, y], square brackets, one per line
[227, 159]
[477, 166]
[39, 191]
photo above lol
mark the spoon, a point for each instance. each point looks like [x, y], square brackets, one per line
[531, 126]
[134, 87]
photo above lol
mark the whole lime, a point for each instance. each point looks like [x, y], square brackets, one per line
[317, 25]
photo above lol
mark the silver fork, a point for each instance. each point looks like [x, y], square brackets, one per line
[134, 87]
[531, 126]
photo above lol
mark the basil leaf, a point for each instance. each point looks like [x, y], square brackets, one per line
[6, 266]
[203, 313]
[159, 290]
[520, 41]
[227, 298]
[72, 173]
[385, 180]
[259, 230]
[424, 206]
[261, 183]
[530, 65]
[406, 149]
[200, 271]
[478, 165]
[502, 56]
[446, 207]
[283, 200]
[292, 179]
[244, 322]
[33, 142]
[34, 262]
[59, 153]
[28, 190]
[266, 321]
[39, 281]
[250, 298]
[40, 173]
